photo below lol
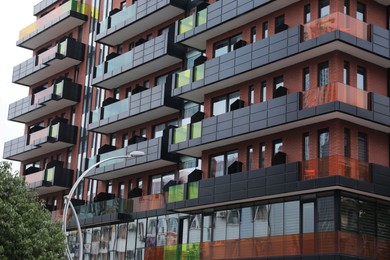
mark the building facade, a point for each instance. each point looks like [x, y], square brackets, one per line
[265, 126]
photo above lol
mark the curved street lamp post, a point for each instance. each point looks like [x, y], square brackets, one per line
[68, 202]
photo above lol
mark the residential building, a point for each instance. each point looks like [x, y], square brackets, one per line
[265, 126]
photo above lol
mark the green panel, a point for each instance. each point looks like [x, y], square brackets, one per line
[183, 78]
[49, 174]
[59, 88]
[176, 193]
[199, 72]
[193, 190]
[62, 47]
[186, 24]
[201, 17]
[196, 130]
[179, 134]
[54, 130]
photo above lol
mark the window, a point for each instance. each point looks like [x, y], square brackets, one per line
[121, 188]
[278, 82]
[361, 12]
[361, 78]
[346, 7]
[253, 34]
[346, 73]
[347, 143]
[306, 147]
[220, 163]
[263, 90]
[323, 74]
[222, 104]
[279, 24]
[324, 8]
[142, 132]
[225, 46]
[308, 217]
[363, 147]
[139, 183]
[113, 139]
[158, 129]
[128, 92]
[323, 143]
[306, 14]
[109, 187]
[157, 182]
[326, 214]
[250, 158]
[261, 155]
[277, 146]
[251, 95]
[125, 140]
[306, 79]
[265, 30]
[123, 5]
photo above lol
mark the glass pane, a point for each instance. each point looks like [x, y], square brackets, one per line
[246, 224]
[308, 217]
[349, 214]
[325, 212]
[141, 233]
[232, 98]
[361, 78]
[219, 106]
[151, 232]
[195, 229]
[276, 219]
[161, 231]
[207, 228]
[231, 158]
[323, 144]
[173, 227]
[233, 224]
[324, 8]
[291, 218]
[219, 231]
[156, 185]
[261, 220]
[221, 48]
[217, 165]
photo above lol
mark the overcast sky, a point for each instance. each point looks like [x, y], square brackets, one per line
[15, 16]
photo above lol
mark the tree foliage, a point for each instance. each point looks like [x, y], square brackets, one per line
[26, 230]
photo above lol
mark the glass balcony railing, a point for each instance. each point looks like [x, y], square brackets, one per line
[187, 23]
[177, 192]
[119, 152]
[335, 92]
[71, 5]
[180, 133]
[60, 48]
[37, 135]
[114, 64]
[333, 22]
[190, 75]
[336, 165]
[45, 175]
[41, 94]
[119, 17]
[110, 110]
[58, 88]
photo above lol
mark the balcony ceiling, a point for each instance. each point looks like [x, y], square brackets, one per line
[42, 190]
[199, 40]
[39, 150]
[50, 68]
[126, 171]
[43, 36]
[197, 150]
[44, 109]
[116, 125]
[198, 94]
[118, 78]
[120, 33]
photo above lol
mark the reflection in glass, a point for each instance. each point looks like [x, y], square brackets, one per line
[151, 232]
[308, 217]
[173, 226]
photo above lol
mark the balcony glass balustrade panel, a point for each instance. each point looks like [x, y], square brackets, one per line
[333, 22]
[38, 135]
[187, 23]
[125, 14]
[41, 94]
[180, 133]
[71, 5]
[118, 62]
[116, 108]
[335, 92]
[120, 152]
[190, 75]
[41, 57]
[35, 177]
[336, 165]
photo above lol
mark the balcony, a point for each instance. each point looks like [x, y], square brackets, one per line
[336, 101]
[60, 95]
[63, 56]
[155, 157]
[137, 18]
[58, 136]
[335, 245]
[221, 17]
[139, 108]
[142, 60]
[62, 19]
[328, 173]
[336, 32]
[50, 180]
[116, 210]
